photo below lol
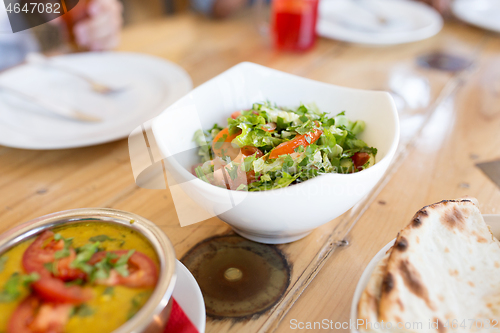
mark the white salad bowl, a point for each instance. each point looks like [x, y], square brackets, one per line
[287, 214]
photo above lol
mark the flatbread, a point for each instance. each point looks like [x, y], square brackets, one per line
[370, 298]
[444, 270]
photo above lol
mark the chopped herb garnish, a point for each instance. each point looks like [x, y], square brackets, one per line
[67, 244]
[102, 268]
[299, 149]
[82, 310]
[51, 267]
[233, 171]
[124, 259]
[12, 288]
[77, 282]
[67, 241]
[84, 253]
[121, 266]
[109, 291]
[62, 254]
[3, 261]
[101, 238]
[137, 302]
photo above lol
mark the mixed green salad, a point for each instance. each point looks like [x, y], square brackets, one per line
[269, 147]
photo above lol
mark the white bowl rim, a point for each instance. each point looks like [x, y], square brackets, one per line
[389, 155]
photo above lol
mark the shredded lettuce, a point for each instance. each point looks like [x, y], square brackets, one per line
[204, 141]
[251, 136]
[266, 126]
[286, 116]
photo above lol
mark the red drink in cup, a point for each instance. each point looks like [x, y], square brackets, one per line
[293, 24]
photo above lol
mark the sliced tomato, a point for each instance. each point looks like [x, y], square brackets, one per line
[142, 270]
[251, 177]
[34, 316]
[23, 315]
[250, 150]
[269, 127]
[65, 272]
[41, 252]
[359, 159]
[222, 144]
[37, 254]
[288, 147]
[235, 114]
[51, 317]
[51, 289]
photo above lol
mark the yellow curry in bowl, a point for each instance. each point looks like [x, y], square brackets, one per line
[84, 277]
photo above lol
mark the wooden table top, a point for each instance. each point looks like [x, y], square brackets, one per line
[451, 123]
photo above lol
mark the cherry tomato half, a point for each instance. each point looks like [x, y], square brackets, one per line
[250, 150]
[251, 177]
[359, 159]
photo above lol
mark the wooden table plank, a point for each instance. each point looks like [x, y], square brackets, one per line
[35, 183]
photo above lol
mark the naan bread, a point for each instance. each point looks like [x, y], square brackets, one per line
[444, 266]
[370, 298]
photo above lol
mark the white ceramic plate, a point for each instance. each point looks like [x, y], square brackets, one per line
[482, 13]
[151, 85]
[406, 21]
[188, 295]
[492, 220]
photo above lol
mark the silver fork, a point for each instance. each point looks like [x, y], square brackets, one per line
[69, 113]
[382, 20]
[100, 88]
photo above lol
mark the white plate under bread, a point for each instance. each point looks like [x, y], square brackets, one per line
[492, 220]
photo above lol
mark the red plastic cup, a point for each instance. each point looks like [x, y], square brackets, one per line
[293, 24]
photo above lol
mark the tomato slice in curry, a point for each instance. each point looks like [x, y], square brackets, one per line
[50, 288]
[142, 270]
[32, 315]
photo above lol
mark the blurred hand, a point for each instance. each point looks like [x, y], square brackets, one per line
[442, 6]
[224, 8]
[101, 30]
